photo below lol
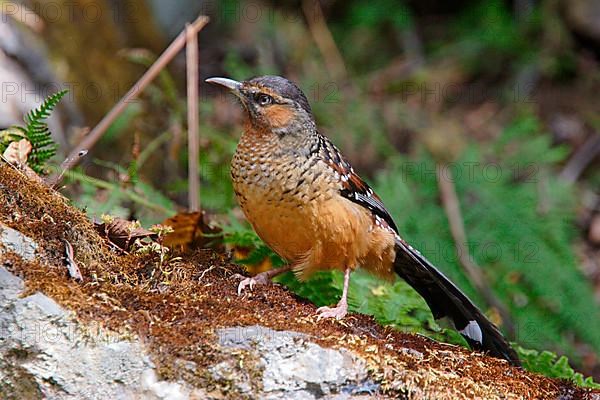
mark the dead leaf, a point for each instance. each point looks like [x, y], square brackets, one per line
[123, 233]
[17, 152]
[189, 230]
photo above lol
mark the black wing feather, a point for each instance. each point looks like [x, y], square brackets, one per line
[353, 187]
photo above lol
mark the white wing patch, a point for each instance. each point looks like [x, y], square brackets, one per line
[473, 331]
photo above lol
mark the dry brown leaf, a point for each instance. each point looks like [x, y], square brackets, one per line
[189, 230]
[17, 152]
[123, 233]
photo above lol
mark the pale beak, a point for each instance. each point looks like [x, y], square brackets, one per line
[230, 84]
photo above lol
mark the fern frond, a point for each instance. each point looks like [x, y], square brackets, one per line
[35, 117]
[38, 134]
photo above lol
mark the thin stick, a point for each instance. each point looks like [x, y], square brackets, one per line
[581, 159]
[90, 140]
[52, 181]
[126, 192]
[457, 227]
[193, 119]
[324, 39]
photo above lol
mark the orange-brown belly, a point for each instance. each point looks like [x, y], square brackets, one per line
[329, 232]
[284, 229]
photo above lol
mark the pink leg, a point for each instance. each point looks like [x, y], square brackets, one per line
[261, 279]
[339, 311]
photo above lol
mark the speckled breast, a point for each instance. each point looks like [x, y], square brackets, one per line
[279, 195]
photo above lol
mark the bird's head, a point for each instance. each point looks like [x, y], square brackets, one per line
[272, 103]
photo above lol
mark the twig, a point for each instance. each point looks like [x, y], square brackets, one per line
[581, 159]
[126, 192]
[193, 120]
[473, 271]
[152, 147]
[206, 271]
[69, 162]
[324, 39]
[90, 140]
[413, 46]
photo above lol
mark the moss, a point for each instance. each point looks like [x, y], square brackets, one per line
[176, 309]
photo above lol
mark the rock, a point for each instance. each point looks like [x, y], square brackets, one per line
[25, 76]
[293, 367]
[15, 241]
[46, 354]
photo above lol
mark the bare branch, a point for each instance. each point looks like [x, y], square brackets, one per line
[193, 120]
[90, 140]
[457, 227]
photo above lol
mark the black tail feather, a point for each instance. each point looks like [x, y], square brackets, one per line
[446, 300]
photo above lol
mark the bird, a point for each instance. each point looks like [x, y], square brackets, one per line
[306, 202]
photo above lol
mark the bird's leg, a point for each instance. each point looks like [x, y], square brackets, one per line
[339, 311]
[262, 278]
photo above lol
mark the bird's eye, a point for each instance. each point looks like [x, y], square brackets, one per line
[264, 100]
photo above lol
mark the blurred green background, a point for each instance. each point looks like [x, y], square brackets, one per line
[500, 97]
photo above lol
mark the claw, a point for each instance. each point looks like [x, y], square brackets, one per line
[244, 283]
[338, 312]
[259, 279]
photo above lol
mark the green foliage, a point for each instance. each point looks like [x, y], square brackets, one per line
[214, 169]
[100, 197]
[323, 288]
[237, 67]
[374, 14]
[488, 33]
[36, 132]
[519, 223]
[549, 364]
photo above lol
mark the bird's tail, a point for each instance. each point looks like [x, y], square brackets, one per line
[446, 300]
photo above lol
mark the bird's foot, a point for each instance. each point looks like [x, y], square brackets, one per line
[337, 312]
[259, 279]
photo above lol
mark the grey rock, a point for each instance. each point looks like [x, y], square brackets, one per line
[10, 285]
[46, 354]
[294, 367]
[26, 75]
[14, 241]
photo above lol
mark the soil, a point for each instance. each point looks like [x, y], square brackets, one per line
[176, 307]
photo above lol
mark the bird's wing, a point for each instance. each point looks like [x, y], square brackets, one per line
[353, 187]
[443, 297]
